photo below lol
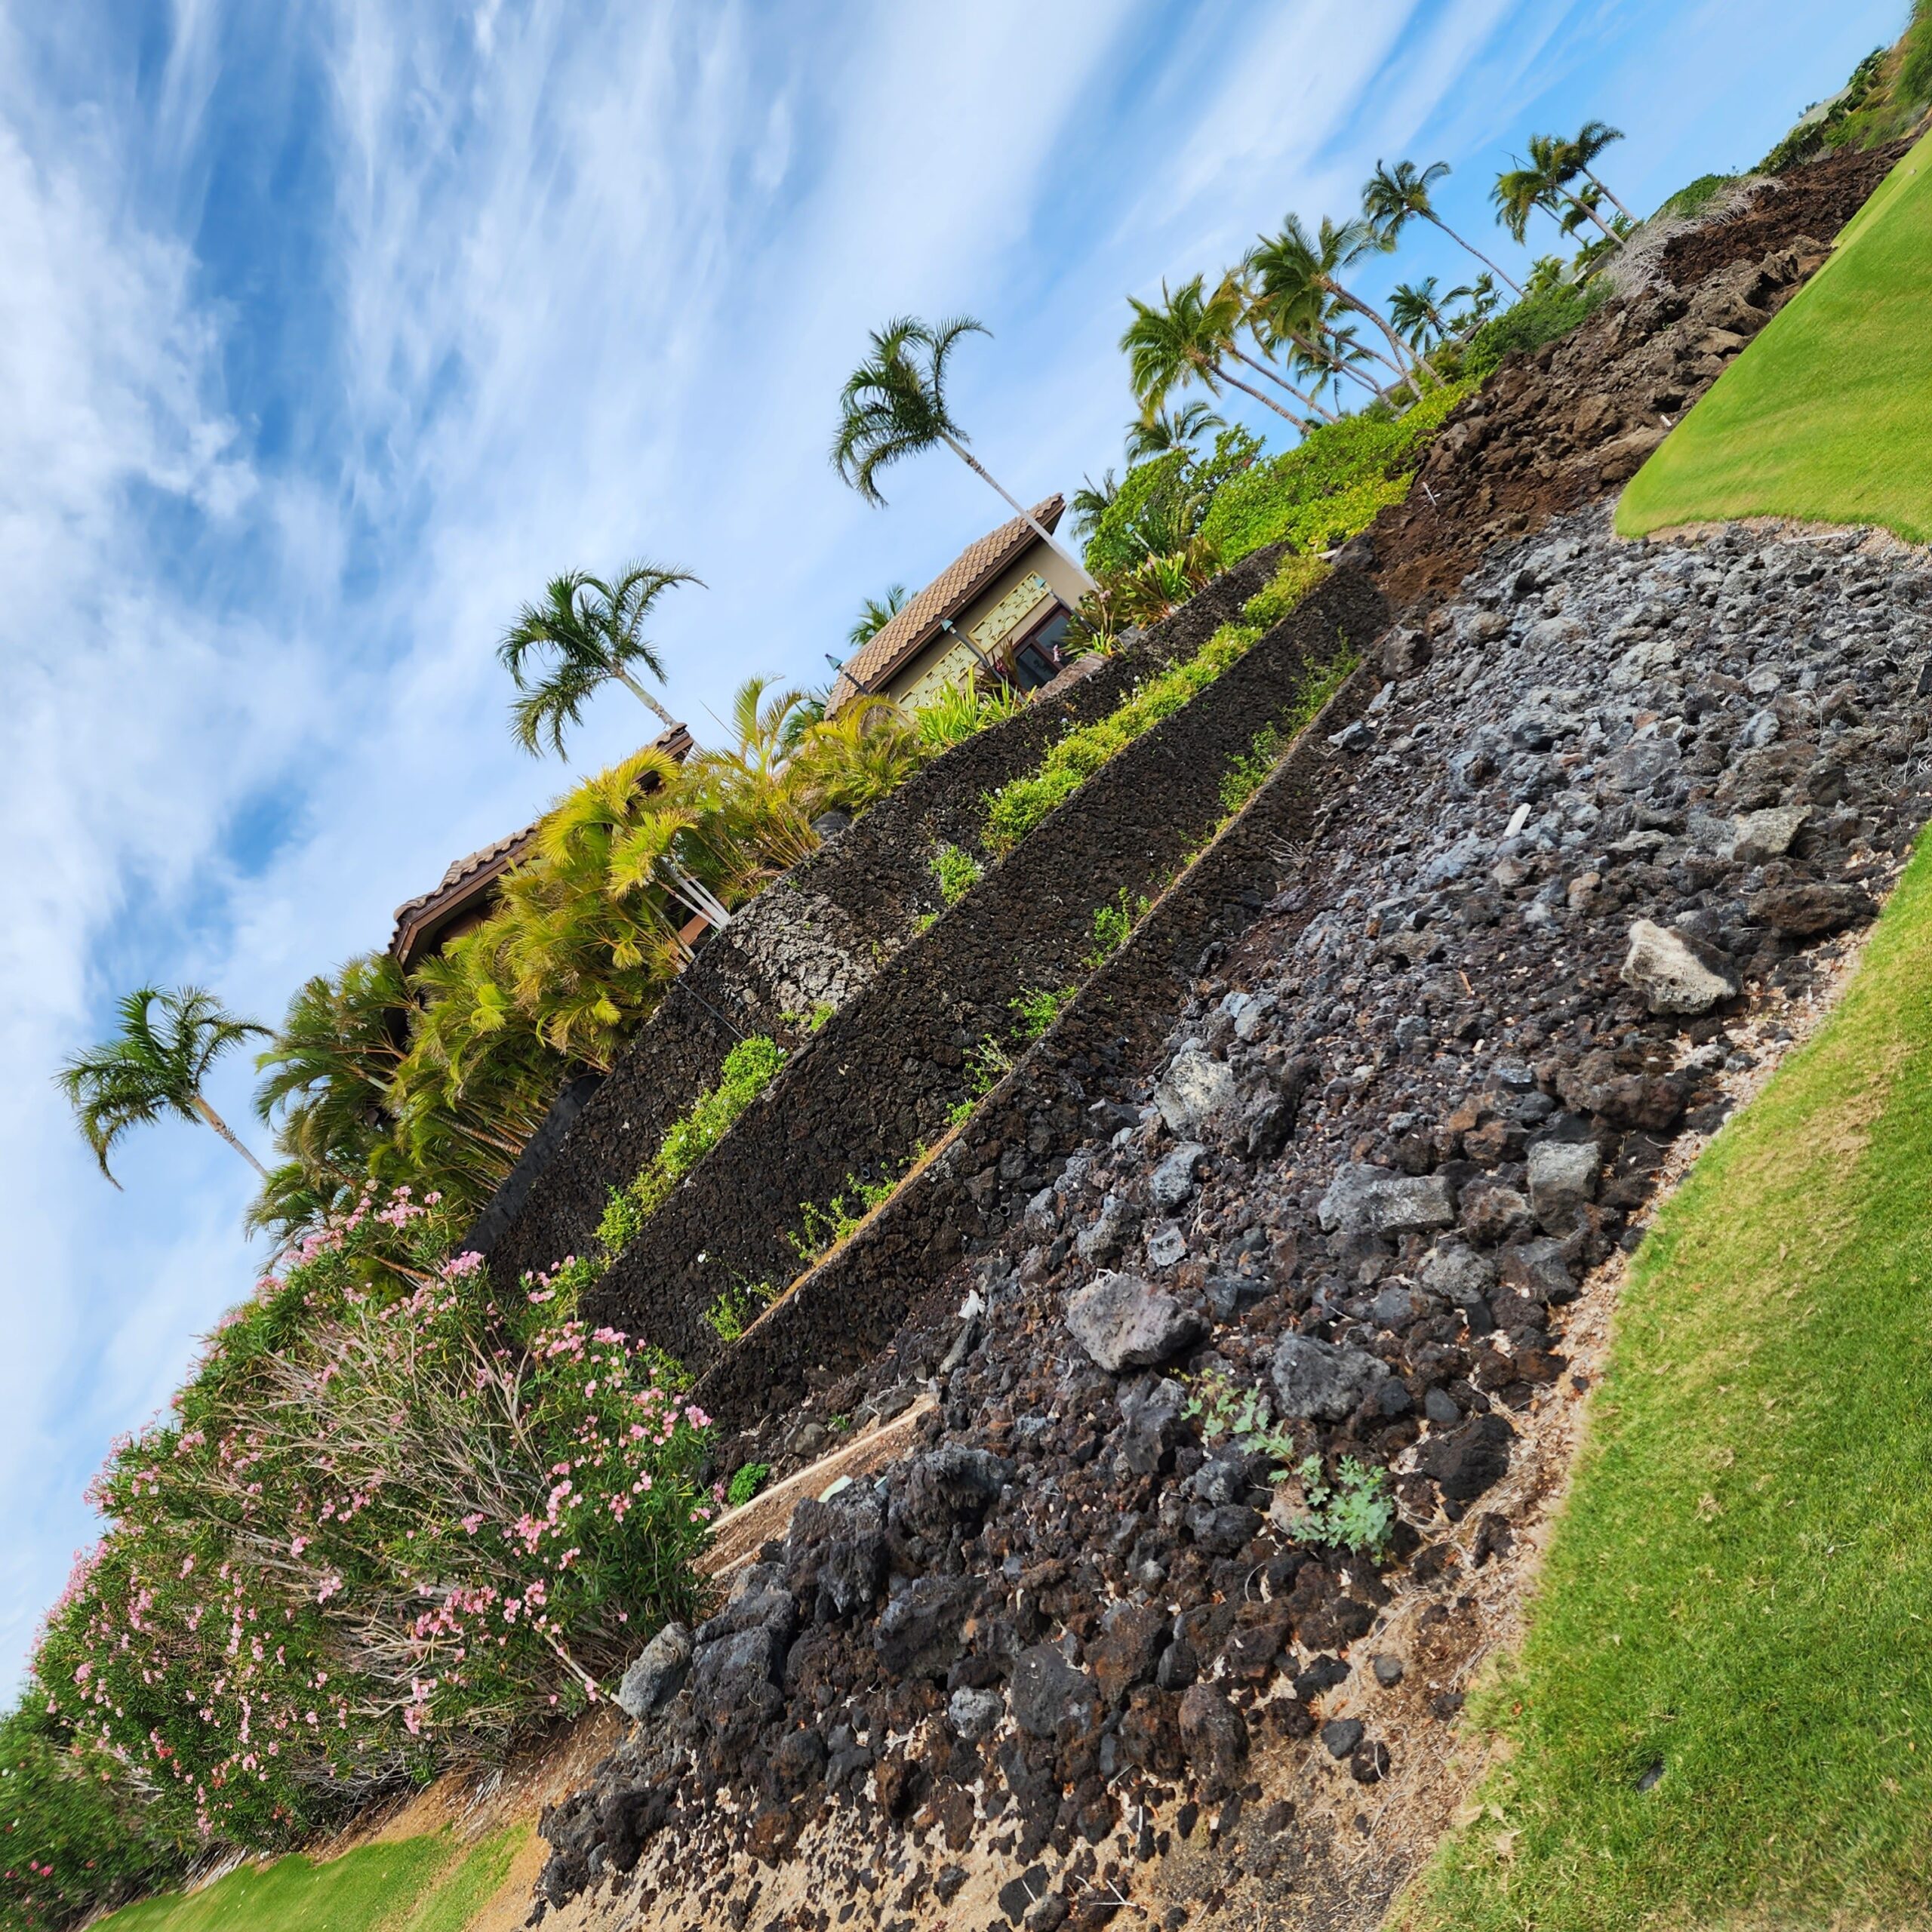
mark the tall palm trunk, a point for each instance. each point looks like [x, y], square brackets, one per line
[1307, 401]
[1361, 308]
[643, 696]
[221, 1127]
[1478, 254]
[1604, 187]
[1026, 516]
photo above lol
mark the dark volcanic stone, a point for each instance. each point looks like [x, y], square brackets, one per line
[1213, 1739]
[1467, 1460]
[1046, 1690]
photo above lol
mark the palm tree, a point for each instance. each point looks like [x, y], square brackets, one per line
[1394, 196]
[894, 405]
[875, 613]
[1543, 183]
[1188, 340]
[1582, 148]
[595, 628]
[328, 1068]
[1414, 309]
[1294, 266]
[1155, 431]
[155, 1065]
[1092, 501]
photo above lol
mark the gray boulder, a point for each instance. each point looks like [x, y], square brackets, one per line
[1674, 974]
[1195, 1089]
[1123, 1322]
[1102, 1239]
[655, 1673]
[1172, 1183]
[1349, 1206]
[972, 1713]
[1563, 1176]
[1321, 1381]
[1414, 1205]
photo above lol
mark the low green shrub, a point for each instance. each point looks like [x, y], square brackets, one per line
[1354, 1511]
[1161, 503]
[1114, 923]
[1694, 198]
[1038, 1008]
[737, 1308]
[1331, 484]
[746, 1481]
[1538, 318]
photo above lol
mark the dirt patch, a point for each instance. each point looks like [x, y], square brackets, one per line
[1817, 199]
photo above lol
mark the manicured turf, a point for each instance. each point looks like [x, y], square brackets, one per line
[1828, 414]
[1738, 1595]
[422, 1884]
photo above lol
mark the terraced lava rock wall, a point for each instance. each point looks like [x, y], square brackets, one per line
[882, 1075]
[816, 934]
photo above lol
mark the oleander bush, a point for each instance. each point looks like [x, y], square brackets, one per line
[380, 1532]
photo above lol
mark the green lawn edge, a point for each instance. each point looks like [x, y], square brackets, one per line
[1738, 1591]
[1827, 415]
[426, 1883]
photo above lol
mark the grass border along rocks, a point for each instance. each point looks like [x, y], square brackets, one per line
[1724, 1703]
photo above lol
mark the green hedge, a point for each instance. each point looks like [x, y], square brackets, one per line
[1533, 321]
[1331, 484]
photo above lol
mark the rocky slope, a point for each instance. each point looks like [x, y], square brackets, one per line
[1575, 875]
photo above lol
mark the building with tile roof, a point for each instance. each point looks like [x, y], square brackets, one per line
[999, 608]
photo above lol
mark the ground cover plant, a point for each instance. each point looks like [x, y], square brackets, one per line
[1827, 415]
[1720, 1714]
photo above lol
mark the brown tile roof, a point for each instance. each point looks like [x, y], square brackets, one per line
[469, 884]
[897, 644]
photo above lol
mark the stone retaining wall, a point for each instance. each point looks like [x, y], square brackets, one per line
[880, 1078]
[815, 936]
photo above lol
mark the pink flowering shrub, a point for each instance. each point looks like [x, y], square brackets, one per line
[384, 1530]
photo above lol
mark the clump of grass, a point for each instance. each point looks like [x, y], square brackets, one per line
[1039, 1008]
[1020, 804]
[737, 1308]
[823, 1227]
[1113, 926]
[1247, 771]
[958, 872]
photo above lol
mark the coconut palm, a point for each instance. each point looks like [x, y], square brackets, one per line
[1155, 431]
[591, 630]
[168, 1041]
[1412, 308]
[875, 613]
[1293, 266]
[1393, 197]
[1189, 339]
[894, 405]
[1582, 148]
[1543, 183]
[1092, 501]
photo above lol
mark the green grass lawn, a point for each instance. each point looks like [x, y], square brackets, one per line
[1738, 1593]
[1828, 415]
[421, 1884]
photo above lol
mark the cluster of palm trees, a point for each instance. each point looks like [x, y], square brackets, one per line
[1289, 327]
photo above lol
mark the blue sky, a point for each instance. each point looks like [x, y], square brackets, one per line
[330, 330]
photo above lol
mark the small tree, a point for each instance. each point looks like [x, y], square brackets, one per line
[875, 613]
[155, 1065]
[588, 631]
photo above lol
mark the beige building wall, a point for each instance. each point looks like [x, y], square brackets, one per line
[1015, 599]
